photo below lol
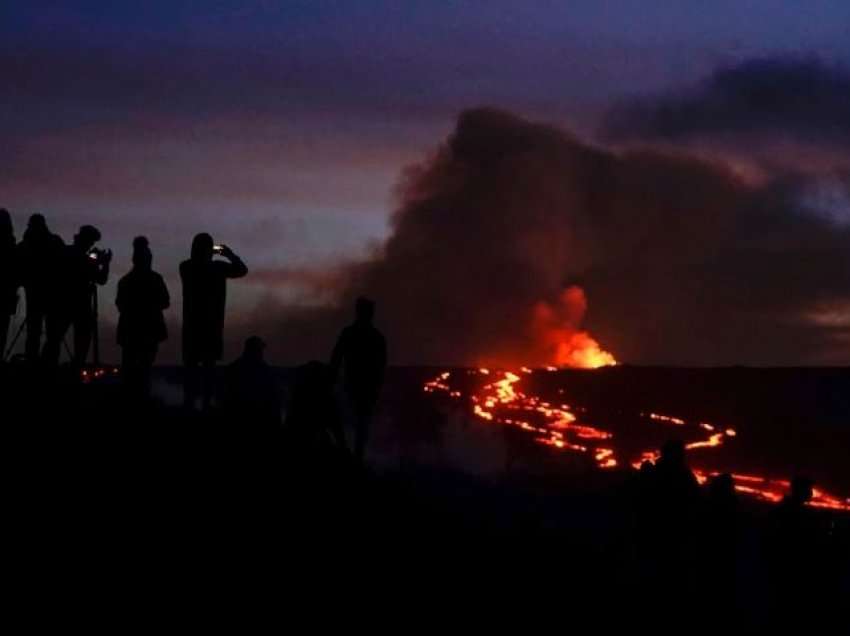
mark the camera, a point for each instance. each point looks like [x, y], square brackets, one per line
[99, 255]
[218, 249]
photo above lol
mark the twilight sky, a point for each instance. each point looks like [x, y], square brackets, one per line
[285, 128]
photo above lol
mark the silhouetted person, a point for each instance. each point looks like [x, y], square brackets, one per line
[792, 519]
[251, 399]
[204, 297]
[79, 269]
[142, 297]
[721, 507]
[665, 514]
[38, 256]
[674, 481]
[796, 555]
[361, 354]
[9, 281]
[643, 493]
[719, 541]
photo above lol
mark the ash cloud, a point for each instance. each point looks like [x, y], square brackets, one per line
[782, 120]
[802, 99]
[681, 261]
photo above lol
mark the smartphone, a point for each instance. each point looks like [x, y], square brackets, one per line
[218, 249]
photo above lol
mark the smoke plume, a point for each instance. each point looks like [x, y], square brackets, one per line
[516, 243]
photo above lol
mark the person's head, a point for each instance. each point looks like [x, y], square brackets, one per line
[202, 247]
[801, 490]
[364, 310]
[86, 237]
[6, 228]
[37, 224]
[142, 256]
[254, 349]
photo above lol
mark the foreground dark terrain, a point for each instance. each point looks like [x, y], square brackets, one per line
[452, 514]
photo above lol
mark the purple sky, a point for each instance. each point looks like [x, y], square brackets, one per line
[282, 127]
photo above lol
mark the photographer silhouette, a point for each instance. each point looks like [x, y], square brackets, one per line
[204, 299]
[80, 269]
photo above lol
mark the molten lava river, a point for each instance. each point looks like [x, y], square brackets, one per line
[502, 399]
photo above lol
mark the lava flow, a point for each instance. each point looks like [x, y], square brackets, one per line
[556, 425]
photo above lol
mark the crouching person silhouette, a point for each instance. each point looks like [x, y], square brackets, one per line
[142, 297]
[204, 298]
[251, 397]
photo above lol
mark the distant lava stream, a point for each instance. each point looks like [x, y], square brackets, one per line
[501, 401]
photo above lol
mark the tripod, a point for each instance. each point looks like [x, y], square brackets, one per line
[7, 354]
[8, 351]
[95, 332]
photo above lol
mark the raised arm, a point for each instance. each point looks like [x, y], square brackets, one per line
[237, 268]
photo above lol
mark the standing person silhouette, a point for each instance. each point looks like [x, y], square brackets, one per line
[361, 354]
[38, 256]
[204, 298]
[79, 269]
[142, 297]
[8, 277]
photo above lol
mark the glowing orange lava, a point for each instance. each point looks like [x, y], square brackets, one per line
[556, 331]
[557, 426]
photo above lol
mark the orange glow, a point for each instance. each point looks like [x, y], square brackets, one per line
[555, 327]
[714, 440]
[438, 384]
[582, 351]
[556, 423]
[646, 456]
[501, 401]
[605, 458]
[667, 418]
[773, 490]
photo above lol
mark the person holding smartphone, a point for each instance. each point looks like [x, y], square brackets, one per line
[204, 281]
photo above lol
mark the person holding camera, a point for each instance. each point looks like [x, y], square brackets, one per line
[204, 297]
[82, 266]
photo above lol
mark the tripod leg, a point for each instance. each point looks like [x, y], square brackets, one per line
[94, 334]
[8, 351]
